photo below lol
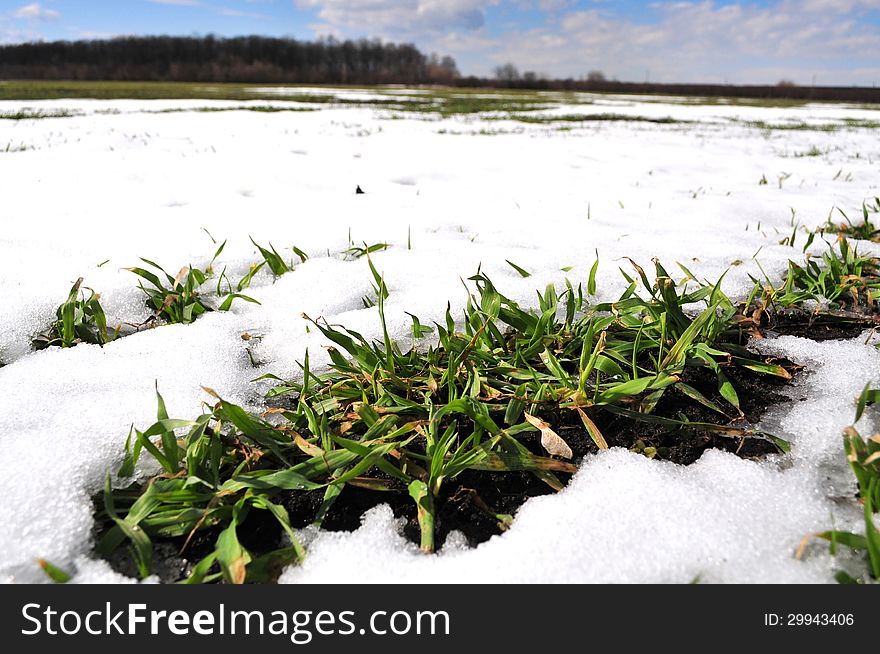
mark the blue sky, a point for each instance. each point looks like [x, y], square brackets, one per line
[831, 41]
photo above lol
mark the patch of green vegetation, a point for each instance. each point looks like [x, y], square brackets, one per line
[590, 118]
[386, 419]
[54, 573]
[483, 131]
[267, 109]
[865, 230]
[830, 296]
[79, 319]
[812, 152]
[21, 147]
[182, 300]
[355, 252]
[842, 282]
[864, 460]
[440, 101]
[861, 123]
[793, 126]
[770, 103]
[456, 106]
[55, 90]
[848, 123]
[275, 261]
[40, 114]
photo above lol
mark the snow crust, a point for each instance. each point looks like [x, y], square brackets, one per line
[87, 195]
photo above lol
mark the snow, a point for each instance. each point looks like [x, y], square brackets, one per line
[118, 181]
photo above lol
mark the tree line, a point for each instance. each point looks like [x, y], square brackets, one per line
[259, 59]
[509, 76]
[240, 59]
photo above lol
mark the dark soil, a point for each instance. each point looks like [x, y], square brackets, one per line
[470, 502]
[756, 394]
[473, 501]
[824, 326]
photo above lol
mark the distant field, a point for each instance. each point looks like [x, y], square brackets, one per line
[50, 90]
[470, 100]
[428, 102]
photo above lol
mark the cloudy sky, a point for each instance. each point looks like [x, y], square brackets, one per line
[829, 41]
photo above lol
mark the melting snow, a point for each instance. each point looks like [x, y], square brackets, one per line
[119, 182]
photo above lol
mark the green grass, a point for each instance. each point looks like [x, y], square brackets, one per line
[54, 573]
[275, 261]
[843, 283]
[79, 319]
[489, 393]
[848, 123]
[453, 105]
[772, 103]
[54, 90]
[865, 230]
[590, 118]
[864, 460]
[21, 147]
[439, 101]
[266, 109]
[388, 419]
[812, 152]
[111, 90]
[30, 114]
[172, 299]
[182, 298]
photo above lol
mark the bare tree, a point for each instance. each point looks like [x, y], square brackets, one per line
[442, 70]
[507, 72]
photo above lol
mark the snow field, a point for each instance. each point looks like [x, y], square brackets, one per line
[117, 186]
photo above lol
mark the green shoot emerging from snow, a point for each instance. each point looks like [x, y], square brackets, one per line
[865, 230]
[493, 398]
[79, 319]
[180, 299]
[864, 459]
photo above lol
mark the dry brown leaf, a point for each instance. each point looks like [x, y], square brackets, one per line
[183, 272]
[593, 430]
[211, 392]
[550, 440]
[306, 447]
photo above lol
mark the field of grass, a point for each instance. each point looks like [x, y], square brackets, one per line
[437, 100]
[517, 391]
[434, 103]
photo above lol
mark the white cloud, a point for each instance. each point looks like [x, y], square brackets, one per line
[177, 3]
[545, 5]
[395, 17]
[238, 13]
[674, 40]
[706, 42]
[35, 11]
